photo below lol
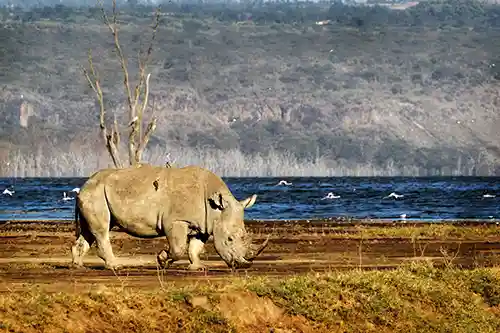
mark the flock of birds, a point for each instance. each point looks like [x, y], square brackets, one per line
[65, 197]
[394, 195]
[329, 196]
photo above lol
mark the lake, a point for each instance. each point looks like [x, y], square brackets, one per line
[429, 198]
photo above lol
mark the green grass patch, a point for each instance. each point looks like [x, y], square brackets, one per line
[415, 298]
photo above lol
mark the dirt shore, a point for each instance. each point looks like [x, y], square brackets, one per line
[38, 252]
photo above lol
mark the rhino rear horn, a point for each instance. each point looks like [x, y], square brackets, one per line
[248, 202]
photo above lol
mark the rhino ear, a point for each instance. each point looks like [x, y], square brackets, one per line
[216, 201]
[248, 202]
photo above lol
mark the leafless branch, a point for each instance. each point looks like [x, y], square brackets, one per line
[137, 102]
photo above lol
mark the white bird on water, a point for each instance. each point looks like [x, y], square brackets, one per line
[489, 196]
[6, 191]
[284, 182]
[330, 195]
[66, 198]
[394, 195]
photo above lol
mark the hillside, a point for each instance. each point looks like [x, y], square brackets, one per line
[374, 92]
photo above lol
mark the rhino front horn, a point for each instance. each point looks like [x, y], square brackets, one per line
[255, 250]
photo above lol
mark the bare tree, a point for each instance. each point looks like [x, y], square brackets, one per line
[137, 100]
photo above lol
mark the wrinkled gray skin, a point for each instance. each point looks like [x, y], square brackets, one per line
[187, 205]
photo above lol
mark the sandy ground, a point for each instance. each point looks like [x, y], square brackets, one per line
[39, 253]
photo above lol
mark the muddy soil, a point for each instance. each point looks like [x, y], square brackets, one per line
[38, 252]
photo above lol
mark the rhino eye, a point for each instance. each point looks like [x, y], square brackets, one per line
[230, 238]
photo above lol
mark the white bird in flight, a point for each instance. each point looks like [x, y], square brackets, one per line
[330, 195]
[66, 198]
[394, 195]
[6, 191]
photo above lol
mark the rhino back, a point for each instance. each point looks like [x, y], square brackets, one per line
[140, 198]
[149, 194]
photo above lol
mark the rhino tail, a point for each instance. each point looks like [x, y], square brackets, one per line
[77, 220]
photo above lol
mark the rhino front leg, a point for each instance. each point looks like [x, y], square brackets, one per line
[196, 247]
[177, 235]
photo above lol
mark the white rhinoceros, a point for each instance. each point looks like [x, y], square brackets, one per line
[187, 205]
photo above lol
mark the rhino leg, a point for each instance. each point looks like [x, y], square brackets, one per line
[98, 219]
[82, 246]
[196, 247]
[105, 252]
[177, 235]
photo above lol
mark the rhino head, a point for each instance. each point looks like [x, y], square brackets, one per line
[231, 240]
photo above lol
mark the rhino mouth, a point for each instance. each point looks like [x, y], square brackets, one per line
[235, 262]
[241, 263]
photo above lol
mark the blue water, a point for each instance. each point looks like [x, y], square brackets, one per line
[432, 198]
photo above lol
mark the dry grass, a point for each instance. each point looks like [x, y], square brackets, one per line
[403, 230]
[431, 231]
[417, 298]
[413, 298]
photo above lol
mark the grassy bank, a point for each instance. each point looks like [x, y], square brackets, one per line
[414, 298]
[437, 231]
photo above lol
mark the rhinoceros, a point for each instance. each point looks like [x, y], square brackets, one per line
[187, 205]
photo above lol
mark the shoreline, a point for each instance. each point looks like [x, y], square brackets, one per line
[38, 252]
[330, 222]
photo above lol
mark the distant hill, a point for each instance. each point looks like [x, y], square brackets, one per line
[375, 91]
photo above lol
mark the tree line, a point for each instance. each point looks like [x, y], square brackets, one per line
[434, 12]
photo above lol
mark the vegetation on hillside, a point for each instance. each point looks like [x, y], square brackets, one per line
[260, 89]
[415, 298]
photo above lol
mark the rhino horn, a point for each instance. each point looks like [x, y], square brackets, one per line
[254, 250]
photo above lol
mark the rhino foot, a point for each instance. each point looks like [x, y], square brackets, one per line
[113, 267]
[76, 266]
[196, 267]
[162, 259]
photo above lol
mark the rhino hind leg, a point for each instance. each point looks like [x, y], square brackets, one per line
[177, 235]
[196, 247]
[98, 221]
[104, 250]
[82, 245]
